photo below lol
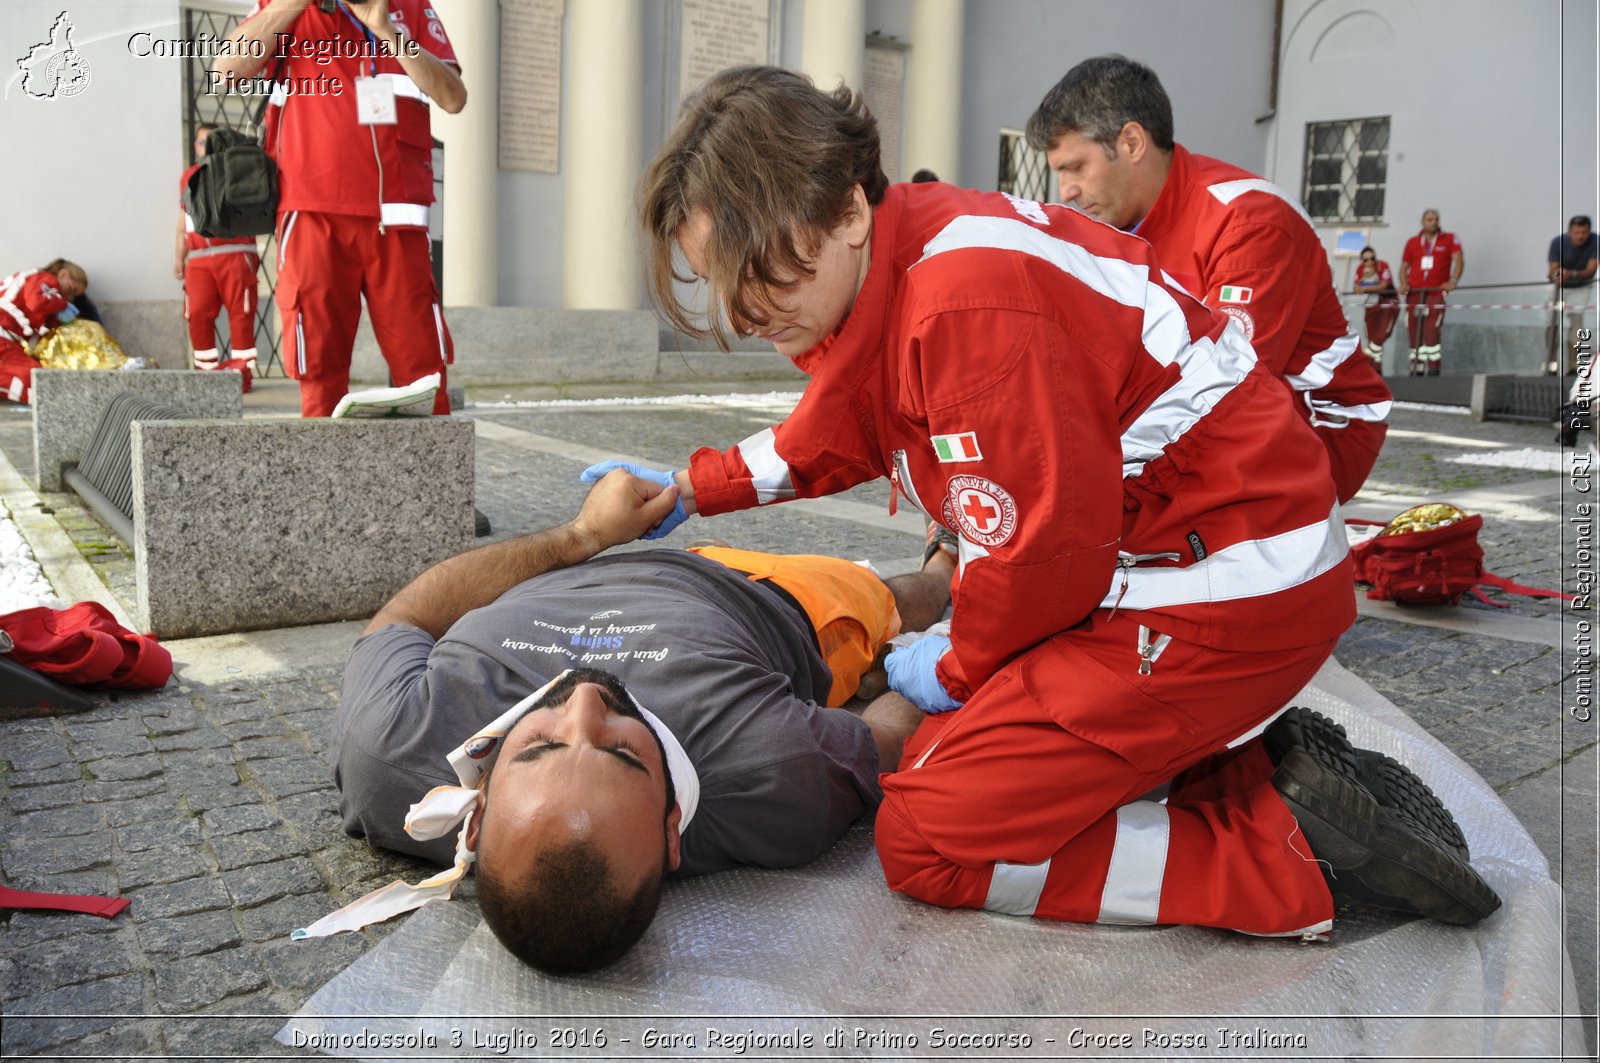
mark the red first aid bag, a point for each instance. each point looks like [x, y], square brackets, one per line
[1428, 555]
[83, 645]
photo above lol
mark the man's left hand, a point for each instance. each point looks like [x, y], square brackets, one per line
[621, 507]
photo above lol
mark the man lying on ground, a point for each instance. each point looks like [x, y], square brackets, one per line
[690, 734]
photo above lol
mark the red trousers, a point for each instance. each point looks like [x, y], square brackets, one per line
[16, 371]
[1423, 325]
[212, 284]
[329, 263]
[1381, 317]
[1042, 795]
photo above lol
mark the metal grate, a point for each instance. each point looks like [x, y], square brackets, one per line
[107, 462]
[1346, 169]
[1023, 170]
[236, 112]
[1524, 398]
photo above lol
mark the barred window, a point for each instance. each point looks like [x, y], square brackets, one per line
[1023, 171]
[1347, 168]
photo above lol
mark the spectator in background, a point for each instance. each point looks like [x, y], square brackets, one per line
[1572, 265]
[1242, 244]
[32, 302]
[1383, 305]
[1430, 267]
[356, 173]
[218, 273]
[923, 176]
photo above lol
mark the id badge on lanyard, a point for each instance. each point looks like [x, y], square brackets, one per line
[1427, 261]
[375, 101]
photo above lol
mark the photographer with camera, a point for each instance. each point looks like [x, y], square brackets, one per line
[353, 205]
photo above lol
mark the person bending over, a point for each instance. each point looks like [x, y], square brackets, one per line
[1152, 557]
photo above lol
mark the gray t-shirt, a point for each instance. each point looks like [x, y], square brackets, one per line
[726, 663]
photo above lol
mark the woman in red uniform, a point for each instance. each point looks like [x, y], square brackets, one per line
[32, 302]
[1383, 304]
[1152, 559]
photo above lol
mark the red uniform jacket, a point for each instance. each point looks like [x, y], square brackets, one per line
[1097, 437]
[328, 161]
[29, 303]
[1246, 247]
[1428, 262]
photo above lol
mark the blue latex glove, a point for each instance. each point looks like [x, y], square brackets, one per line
[678, 515]
[912, 674]
[66, 313]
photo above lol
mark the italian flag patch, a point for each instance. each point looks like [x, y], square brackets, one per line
[960, 447]
[1232, 294]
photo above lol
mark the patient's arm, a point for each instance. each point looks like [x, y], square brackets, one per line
[893, 719]
[922, 597]
[617, 510]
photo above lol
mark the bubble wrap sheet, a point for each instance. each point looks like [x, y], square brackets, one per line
[824, 961]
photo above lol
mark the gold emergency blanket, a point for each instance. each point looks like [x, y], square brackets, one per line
[1424, 518]
[79, 345]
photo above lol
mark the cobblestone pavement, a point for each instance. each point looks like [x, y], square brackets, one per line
[209, 805]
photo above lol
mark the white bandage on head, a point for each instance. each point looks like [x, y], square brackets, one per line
[447, 807]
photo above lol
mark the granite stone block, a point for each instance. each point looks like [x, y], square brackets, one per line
[31, 752]
[158, 835]
[178, 898]
[189, 935]
[48, 855]
[325, 522]
[36, 798]
[67, 405]
[280, 778]
[237, 820]
[55, 1016]
[59, 823]
[152, 867]
[66, 961]
[278, 919]
[55, 773]
[260, 883]
[290, 965]
[203, 980]
[533, 345]
[29, 928]
[126, 768]
[157, 808]
[255, 847]
[122, 790]
[204, 795]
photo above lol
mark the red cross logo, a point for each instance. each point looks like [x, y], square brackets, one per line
[981, 510]
[976, 506]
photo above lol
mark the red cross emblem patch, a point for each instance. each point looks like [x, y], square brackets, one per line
[982, 510]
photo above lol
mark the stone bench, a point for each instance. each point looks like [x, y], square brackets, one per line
[67, 405]
[241, 525]
[275, 523]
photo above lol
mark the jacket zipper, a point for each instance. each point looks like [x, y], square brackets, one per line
[902, 480]
[1126, 562]
[1150, 648]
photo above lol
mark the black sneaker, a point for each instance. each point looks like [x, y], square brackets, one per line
[1398, 787]
[1372, 853]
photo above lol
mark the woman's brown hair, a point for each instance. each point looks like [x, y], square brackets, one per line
[772, 160]
[72, 269]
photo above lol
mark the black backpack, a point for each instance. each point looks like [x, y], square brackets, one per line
[235, 190]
